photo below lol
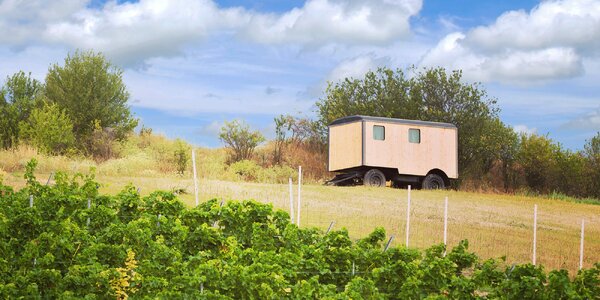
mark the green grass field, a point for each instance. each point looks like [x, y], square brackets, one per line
[495, 225]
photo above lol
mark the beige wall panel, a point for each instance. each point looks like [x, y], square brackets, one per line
[437, 149]
[345, 146]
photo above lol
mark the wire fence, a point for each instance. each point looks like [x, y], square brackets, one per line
[556, 240]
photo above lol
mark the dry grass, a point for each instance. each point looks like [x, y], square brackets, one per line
[14, 160]
[495, 225]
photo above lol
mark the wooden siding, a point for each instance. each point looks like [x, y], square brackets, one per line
[437, 150]
[345, 146]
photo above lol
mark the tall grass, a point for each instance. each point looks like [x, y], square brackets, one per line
[148, 155]
[14, 160]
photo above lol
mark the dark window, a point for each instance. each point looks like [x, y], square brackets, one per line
[378, 133]
[414, 136]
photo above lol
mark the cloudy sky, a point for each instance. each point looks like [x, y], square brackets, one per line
[192, 64]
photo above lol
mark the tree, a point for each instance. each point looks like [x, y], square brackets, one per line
[537, 155]
[507, 156]
[181, 156]
[240, 140]
[17, 100]
[431, 95]
[91, 91]
[592, 149]
[297, 132]
[591, 153]
[299, 142]
[282, 126]
[48, 129]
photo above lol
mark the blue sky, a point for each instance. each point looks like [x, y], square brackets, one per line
[190, 65]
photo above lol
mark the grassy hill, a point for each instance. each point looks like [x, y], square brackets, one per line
[496, 225]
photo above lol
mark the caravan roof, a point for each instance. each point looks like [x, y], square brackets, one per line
[355, 118]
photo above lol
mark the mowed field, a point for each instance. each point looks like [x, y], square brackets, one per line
[495, 225]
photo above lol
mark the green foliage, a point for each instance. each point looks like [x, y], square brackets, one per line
[592, 170]
[248, 170]
[17, 100]
[489, 151]
[431, 95]
[281, 128]
[155, 247]
[240, 140]
[536, 157]
[542, 166]
[48, 129]
[181, 156]
[92, 93]
[592, 148]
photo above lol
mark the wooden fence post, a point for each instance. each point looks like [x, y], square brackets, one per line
[195, 175]
[291, 201]
[534, 233]
[299, 198]
[445, 224]
[581, 245]
[408, 217]
[330, 227]
[388, 243]
[89, 205]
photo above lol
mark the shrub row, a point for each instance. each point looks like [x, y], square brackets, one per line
[154, 247]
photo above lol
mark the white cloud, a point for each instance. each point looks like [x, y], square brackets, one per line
[535, 65]
[352, 68]
[356, 67]
[563, 23]
[32, 59]
[22, 22]
[149, 28]
[186, 96]
[550, 42]
[589, 121]
[321, 22]
[211, 130]
[132, 32]
[524, 129]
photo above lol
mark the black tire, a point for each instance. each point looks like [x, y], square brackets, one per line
[433, 182]
[374, 178]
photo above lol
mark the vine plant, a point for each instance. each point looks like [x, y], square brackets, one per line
[154, 247]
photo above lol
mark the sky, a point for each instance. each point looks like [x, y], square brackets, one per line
[191, 65]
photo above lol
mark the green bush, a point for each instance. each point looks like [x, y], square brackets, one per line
[181, 156]
[18, 97]
[91, 91]
[245, 169]
[537, 158]
[48, 129]
[249, 170]
[154, 247]
[240, 140]
[276, 174]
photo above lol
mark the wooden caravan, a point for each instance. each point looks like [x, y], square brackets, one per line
[374, 150]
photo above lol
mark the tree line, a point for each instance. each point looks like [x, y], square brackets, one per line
[492, 155]
[81, 107]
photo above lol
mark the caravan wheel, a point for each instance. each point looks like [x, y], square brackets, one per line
[433, 182]
[375, 178]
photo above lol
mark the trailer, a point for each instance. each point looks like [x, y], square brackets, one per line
[374, 150]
